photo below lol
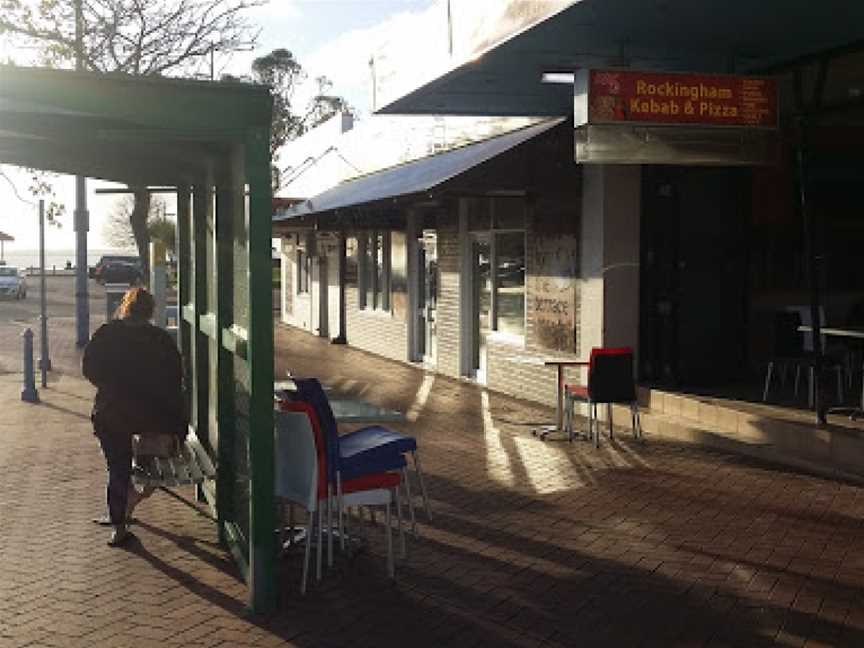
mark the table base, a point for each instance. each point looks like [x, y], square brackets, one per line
[545, 431]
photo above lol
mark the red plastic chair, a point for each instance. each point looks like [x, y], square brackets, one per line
[610, 380]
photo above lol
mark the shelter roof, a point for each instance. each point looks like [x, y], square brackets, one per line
[136, 130]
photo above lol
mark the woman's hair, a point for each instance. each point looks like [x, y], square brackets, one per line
[136, 304]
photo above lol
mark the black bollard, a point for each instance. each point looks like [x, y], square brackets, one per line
[29, 393]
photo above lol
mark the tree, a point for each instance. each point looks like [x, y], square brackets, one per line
[118, 227]
[41, 188]
[284, 74]
[138, 37]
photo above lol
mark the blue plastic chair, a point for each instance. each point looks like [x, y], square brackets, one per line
[373, 437]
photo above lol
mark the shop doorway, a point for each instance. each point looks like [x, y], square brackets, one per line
[693, 322]
[481, 303]
[427, 312]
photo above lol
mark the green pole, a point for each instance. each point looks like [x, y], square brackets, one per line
[223, 244]
[262, 510]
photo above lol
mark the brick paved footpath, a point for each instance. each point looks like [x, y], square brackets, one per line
[532, 543]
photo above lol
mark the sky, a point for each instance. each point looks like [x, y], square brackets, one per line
[334, 38]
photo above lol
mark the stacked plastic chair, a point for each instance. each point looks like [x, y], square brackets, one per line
[369, 450]
[301, 479]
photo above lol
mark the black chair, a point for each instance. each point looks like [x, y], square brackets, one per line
[610, 380]
[789, 352]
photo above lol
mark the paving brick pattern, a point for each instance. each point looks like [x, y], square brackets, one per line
[532, 544]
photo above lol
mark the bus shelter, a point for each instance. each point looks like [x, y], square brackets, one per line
[210, 143]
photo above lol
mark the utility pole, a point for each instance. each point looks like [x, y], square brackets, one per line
[81, 216]
[45, 358]
[449, 30]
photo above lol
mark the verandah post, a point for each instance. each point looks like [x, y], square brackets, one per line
[262, 510]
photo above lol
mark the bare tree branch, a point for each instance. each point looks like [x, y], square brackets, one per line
[140, 37]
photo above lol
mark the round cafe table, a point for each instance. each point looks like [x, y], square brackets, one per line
[544, 431]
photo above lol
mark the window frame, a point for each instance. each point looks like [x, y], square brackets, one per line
[304, 270]
[493, 232]
[374, 271]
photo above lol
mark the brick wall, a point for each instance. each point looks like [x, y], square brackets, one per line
[448, 293]
[378, 332]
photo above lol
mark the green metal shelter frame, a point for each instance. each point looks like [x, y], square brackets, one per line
[211, 142]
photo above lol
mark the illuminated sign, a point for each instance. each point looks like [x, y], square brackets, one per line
[631, 97]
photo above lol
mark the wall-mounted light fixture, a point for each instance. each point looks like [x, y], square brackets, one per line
[558, 77]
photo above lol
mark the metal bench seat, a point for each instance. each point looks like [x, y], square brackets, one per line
[191, 465]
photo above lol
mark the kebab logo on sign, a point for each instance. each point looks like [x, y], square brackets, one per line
[650, 97]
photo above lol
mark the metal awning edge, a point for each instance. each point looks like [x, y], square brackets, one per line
[416, 176]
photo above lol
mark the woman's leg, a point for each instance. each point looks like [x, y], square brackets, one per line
[117, 449]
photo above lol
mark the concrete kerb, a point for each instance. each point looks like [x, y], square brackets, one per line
[831, 452]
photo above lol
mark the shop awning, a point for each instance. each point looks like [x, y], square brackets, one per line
[504, 77]
[415, 177]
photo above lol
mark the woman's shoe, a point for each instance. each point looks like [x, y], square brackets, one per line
[119, 536]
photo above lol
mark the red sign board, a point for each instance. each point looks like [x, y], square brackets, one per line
[626, 96]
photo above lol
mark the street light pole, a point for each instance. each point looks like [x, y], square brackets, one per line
[82, 218]
[45, 359]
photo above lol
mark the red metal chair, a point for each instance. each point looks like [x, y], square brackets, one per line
[610, 380]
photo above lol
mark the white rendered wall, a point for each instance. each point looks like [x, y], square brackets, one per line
[609, 290]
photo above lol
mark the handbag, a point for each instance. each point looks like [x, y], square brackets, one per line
[161, 445]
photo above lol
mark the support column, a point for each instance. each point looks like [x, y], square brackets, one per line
[465, 288]
[82, 298]
[226, 205]
[610, 242]
[262, 505]
[158, 282]
[341, 336]
[413, 262]
[198, 341]
[185, 277]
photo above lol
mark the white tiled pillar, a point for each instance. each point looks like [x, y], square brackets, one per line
[609, 291]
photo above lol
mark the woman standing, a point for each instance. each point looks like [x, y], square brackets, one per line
[138, 373]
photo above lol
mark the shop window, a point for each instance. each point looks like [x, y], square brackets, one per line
[304, 266]
[504, 219]
[374, 270]
[509, 296]
[399, 275]
[351, 261]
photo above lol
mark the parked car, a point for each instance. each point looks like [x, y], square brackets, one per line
[117, 269]
[12, 283]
